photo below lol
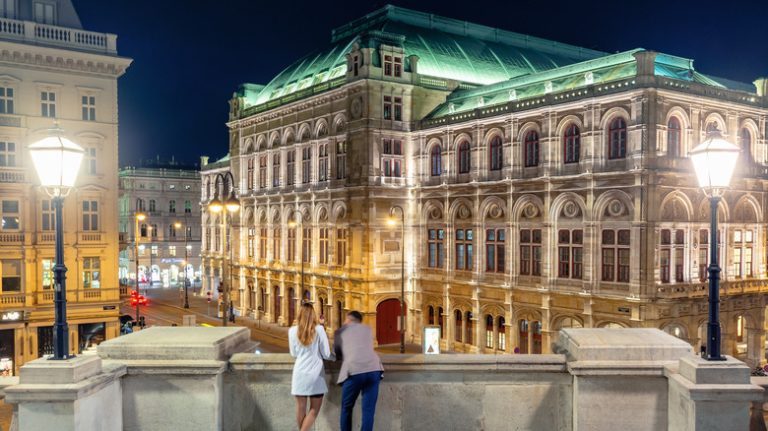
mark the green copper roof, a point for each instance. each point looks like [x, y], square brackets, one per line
[447, 48]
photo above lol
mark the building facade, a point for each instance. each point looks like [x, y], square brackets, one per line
[543, 186]
[169, 236]
[53, 71]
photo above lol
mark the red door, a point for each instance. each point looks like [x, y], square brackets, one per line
[387, 316]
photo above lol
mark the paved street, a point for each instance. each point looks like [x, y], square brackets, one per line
[166, 308]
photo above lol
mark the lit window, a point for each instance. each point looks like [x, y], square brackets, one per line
[171, 250]
[10, 215]
[47, 274]
[91, 272]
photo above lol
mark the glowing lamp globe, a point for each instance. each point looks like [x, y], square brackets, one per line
[232, 204]
[215, 206]
[714, 161]
[57, 162]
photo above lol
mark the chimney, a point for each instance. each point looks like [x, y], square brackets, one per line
[645, 63]
[203, 161]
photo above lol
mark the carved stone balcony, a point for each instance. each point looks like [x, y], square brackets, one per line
[50, 35]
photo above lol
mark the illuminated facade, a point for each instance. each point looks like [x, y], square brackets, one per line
[544, 186]
[169, 196]
[53, 70]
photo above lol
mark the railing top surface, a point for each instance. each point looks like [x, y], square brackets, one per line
[56, 36]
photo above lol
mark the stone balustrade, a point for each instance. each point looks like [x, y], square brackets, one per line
[209, 379]
[43, 34]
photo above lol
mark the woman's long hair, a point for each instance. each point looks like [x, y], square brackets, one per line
[307, 323]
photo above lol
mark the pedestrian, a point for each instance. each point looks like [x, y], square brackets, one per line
[361, 370]
[309, 344]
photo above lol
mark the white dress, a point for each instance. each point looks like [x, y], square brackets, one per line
[308, 371]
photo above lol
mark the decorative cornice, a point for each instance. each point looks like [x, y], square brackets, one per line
[62, 59]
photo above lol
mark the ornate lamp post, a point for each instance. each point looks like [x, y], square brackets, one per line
[714, 161]
[392, 221]
[57, 162]
[177, 225]
[216, 206]
[139, 216]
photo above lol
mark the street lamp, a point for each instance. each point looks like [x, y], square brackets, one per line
[57, 161]
[232, 205]
[139, 216]
[177, 225]
[392, 221]
[714, 161]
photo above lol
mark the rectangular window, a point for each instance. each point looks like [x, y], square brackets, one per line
[48, 104]
[154, 250]
[323, 246]
[306, 164]
[92, 271]
[251, 241]
[276, 239]
[172, 250]
[263, 172]
[615, 248]
[322, 163]
[8, 9]
[45, 13]
[341, 247]
[387, 65]
[10, 271]
[387, 107]
[89, 108]
[569, 253]
[742, 253]
[250, 173]
[672, 255]
[48, 215]
[494, 250]
[306, 244]
[530, 252]
[91, 216]
[8, 154]
[208, 238]
[10, 215]
[435, 248]
[290, 165]
[187, 207]
[276, 170]
[392, 159]
[464, 249]
[6, 99]
[398, 109]
[263, 243]
[47, 274]
[291, 245]
[341, 160]
[398, 67]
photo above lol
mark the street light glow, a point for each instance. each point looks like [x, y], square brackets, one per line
[714, 161]
[215, 206]
[232, 204]
[141, 216]
[57, 161]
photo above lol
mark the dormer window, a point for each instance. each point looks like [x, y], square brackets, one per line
[45, 13]
[398, 67]
[393, 66]
[387, 65]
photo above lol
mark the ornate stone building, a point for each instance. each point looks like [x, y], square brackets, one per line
[544, 186]
[52, 70]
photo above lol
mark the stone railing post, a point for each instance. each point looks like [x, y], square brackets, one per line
[77, 394]
[710, 395]
[174, 377]
[618, 376]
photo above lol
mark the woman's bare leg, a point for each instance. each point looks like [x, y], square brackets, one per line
[301, 410]
[314, 411]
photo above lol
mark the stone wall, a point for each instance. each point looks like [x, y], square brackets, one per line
[419, 392]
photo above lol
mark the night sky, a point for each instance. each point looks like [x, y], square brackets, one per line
[189, 56]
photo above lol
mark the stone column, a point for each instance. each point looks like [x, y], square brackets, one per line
[710, 395]
[77, 394]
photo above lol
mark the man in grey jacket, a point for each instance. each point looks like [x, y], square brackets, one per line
[361, 370]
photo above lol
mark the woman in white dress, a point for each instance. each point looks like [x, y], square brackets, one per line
[309, 345]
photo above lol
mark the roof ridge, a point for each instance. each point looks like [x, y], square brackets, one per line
[457, 27]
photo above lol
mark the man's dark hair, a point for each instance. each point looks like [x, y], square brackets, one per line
[356, 315]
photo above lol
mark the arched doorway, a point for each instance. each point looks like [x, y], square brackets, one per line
[387, 316]
[291, 307]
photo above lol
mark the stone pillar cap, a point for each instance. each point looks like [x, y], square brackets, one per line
[177, 343]
[621, 344]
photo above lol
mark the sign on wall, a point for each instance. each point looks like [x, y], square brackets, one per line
[431, 340]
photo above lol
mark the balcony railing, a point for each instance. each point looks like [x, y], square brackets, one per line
[13, 299]
[90, 236]
[11, 238]
[42, 34]
[12, 175]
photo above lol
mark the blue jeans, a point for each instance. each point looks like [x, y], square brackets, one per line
[368, 384]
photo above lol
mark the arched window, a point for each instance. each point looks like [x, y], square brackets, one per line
[674, 138]
[464, 157]
[617, 139]
[469, 330]
[496, 153]
[746, 143]
[435, 161]
[489, 331]
[531, 149]
[571, 144]
[458, 330]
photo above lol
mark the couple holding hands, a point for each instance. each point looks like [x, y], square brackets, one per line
[361, 369]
